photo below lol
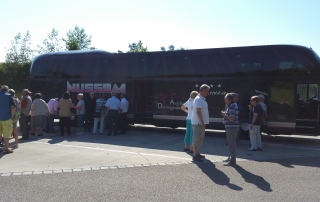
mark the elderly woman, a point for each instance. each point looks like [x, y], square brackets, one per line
[187, 107]
[80, 113]
[39, 111]
[65, 104]
[15, 118]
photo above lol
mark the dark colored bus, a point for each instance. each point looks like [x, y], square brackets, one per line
[158, 83]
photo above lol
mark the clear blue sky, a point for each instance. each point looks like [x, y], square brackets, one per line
[183, 23]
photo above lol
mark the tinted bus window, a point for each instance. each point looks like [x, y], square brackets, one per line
[290, 62]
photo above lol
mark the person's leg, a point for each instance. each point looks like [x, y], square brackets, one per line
[6, 129]
[188, 135]
[32, 124]
[68, 125]
[80, 123]
[198, 137]
[61, 124]
[102, 122]
[253, 138]
[116, 118]
[258, 139]
[125, 123]
[95, 125]
[91, 120]
[23, 121]
[232, 138]
[15, 133]
[109, 117]
[51, 122]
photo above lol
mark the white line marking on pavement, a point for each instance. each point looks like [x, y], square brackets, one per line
[111, 150]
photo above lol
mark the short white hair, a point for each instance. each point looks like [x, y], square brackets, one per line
[80, 95]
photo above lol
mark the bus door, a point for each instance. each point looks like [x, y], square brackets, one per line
[308, 108]
[143, 102]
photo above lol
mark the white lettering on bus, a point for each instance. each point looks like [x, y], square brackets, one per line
[95, 87]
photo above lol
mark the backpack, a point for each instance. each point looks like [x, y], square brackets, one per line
[16, 115]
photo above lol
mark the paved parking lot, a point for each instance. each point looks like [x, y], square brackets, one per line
[141, 146]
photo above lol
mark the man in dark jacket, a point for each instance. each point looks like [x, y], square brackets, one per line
[90, 106]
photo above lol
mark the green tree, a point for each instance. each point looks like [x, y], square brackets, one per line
[51, 44]
[78, 34]
[20, 51]
[171, 48]
[72, 44]
[137, 47]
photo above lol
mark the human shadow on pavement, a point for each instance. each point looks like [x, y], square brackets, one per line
[217, 176]
[259, 181]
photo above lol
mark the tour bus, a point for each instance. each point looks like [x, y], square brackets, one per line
[158, 83]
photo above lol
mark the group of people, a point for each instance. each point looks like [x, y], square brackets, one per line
[90, 113]
[10, 112]
[198, 118]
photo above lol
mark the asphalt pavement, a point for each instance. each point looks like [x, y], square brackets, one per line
[148, 164]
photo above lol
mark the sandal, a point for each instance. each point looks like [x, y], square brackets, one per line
[15, 146]
[7, 151]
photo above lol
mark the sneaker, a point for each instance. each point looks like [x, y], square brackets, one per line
[260, 148]
[226, 160]
[250, 149]
[197, 159]
[229, 164]
[200, 156]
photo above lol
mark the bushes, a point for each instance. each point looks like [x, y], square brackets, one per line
[16, 76]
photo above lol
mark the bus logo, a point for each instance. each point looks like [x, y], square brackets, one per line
[95, 87]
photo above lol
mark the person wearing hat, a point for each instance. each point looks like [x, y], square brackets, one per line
[26, 103]
[7, 110]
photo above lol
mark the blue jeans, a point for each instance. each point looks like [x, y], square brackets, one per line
[189, 133]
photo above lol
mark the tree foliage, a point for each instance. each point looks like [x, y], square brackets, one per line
[137, 47]
[20, 51]
[79, 35]
[72, 44]
[171, 48]
[51, 44]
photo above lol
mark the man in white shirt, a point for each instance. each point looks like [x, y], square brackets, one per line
[113, 110]
[199, 119]
[53, 110]
[124, 106]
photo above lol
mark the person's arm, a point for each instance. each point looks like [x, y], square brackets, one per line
[12, 106]
[184, 108]
[107, 106]
[55, 106]
[122, 104]
[199, 114]
[255, 116]
[79, 106]
[33, 106]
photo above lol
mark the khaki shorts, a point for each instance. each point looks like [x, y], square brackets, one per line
[198, 135]
[6, 128]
